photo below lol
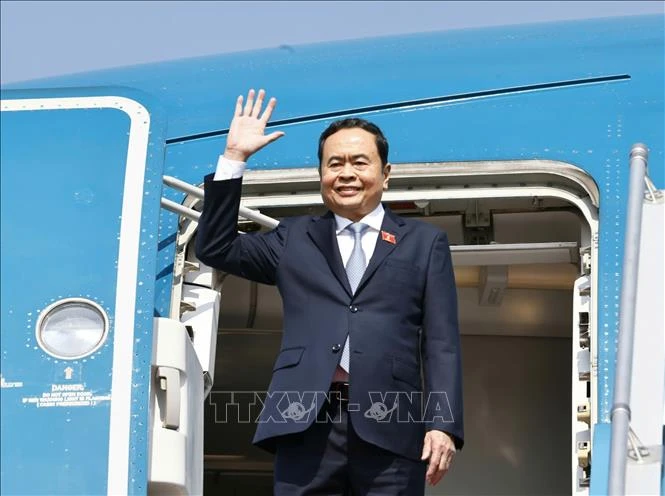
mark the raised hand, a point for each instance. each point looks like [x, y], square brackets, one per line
[246, 133]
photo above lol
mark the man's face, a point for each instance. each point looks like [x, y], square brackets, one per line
[352, 176]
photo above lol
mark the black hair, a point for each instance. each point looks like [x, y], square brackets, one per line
[350, 123]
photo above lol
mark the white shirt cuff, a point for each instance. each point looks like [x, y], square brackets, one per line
[228, 169]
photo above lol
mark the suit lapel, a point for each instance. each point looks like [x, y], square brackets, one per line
[322, 232]
[391, 225]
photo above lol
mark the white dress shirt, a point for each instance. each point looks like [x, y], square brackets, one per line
[228, 169]
[374, 219]
[233, 169]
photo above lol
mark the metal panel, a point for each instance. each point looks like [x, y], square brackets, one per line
[458, 65]
[77, 180]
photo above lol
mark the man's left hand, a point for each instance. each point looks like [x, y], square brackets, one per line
[440, 449]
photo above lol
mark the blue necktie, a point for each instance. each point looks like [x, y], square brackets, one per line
[355, 268]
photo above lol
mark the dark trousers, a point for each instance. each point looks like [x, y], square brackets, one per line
[330, 459]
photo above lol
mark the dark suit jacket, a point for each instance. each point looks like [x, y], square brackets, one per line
[408, 286]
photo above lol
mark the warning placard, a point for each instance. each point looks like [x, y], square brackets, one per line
[9, 384]
[68, 395]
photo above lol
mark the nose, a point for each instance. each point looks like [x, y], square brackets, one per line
[348, 172]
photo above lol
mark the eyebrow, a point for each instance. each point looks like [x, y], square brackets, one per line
[353, 157]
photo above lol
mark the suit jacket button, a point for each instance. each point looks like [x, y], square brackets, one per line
[336, 348]
[353, 308]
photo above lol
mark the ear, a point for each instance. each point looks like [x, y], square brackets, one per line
[386, 176]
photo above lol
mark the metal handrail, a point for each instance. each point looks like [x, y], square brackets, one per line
[245, 212]
[177, 208]
[620, 414]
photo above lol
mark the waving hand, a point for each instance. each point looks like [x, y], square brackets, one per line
[246, 133]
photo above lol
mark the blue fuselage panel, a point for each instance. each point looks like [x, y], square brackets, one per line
[70, 231]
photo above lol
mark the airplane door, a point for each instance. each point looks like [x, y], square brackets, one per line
[81, 183]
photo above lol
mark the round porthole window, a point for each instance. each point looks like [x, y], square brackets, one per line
[72, 328]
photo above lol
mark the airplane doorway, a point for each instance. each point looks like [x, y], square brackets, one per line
[518, 248]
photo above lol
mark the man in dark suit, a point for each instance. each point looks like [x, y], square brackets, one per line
[366, 394]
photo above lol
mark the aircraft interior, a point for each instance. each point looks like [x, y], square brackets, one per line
[516, 259]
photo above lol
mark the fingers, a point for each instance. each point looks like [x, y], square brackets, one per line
[439, 448]
[444, 466]
[444, 463]
[429, 452]
[433, 466]
[438, 467]
[253, 108]
[427, 447]
[437, 477]
[274, 136]
[256, 110]
[249, 104]
[269, 108]
[238, 111]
